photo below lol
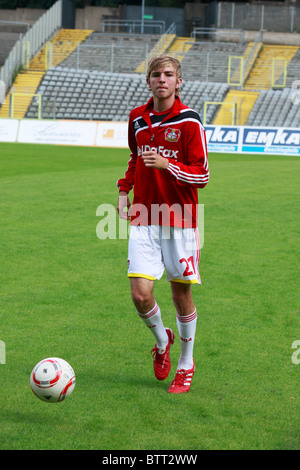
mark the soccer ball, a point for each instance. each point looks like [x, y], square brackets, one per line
[52, 380]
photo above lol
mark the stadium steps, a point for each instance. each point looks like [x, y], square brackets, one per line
[180, 47]
[26, 83]
[62, 45]
[249, 57]
[244, 100]
[293, 69]
[108, 52]
[161, 47]
[260, 77]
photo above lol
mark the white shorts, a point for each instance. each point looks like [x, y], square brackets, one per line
[154, 248]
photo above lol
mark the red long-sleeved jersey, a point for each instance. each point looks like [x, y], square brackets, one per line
[166, 197]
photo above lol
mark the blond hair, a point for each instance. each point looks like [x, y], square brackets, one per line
[163, 60]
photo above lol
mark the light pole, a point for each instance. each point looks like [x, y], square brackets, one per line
[143, 12]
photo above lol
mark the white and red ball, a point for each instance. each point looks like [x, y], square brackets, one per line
[52, 380]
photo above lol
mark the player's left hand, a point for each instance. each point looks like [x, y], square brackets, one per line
[154, 160]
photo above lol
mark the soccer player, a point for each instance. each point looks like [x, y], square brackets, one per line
[168, 162]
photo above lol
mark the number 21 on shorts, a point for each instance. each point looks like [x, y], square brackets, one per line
[189, 266]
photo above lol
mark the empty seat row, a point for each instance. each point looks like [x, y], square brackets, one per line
[107, 96]
[275, 108]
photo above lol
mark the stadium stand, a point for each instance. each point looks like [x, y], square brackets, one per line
[81, 74]
[293, 69]
[208, 61]
[62, 45]
[250, 55]
[93, 92]
[180, 47]
[7, 40]
[105, 51]
[27, 81]
[161, 47]
[70, 93]
[243, 102]
[275, 108]
[25, 85]
[10, 33]
[261, 75]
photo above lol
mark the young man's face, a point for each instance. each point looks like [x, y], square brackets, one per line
[164, 82]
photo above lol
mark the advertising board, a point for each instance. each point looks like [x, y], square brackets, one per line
[220, 139]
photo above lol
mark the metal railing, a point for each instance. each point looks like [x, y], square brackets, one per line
[237, 76]
[17, 23]
[218, 34]
[113, 58]
[36, 36]
[164, 40]
[257, 16]
[251, 56]
[133, 26]
[107, 57]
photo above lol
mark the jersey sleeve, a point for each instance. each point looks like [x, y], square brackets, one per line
[126, 183]
[196, 171]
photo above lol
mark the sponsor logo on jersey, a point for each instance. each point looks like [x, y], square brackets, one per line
[172, 135]
[167, 153]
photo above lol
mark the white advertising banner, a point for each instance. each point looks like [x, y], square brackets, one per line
[271, 140]
[221, 139]
[57, 132]
[258, 140]
[8, 130]
[112, 134]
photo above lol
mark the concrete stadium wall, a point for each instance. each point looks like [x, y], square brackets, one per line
[26, 15]
[194, 14]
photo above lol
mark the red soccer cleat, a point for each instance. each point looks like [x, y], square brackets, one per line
[161, 362]
[182, 381]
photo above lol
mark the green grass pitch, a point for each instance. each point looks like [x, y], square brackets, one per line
[65, 293]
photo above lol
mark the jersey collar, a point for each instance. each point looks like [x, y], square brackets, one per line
[175, 110]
